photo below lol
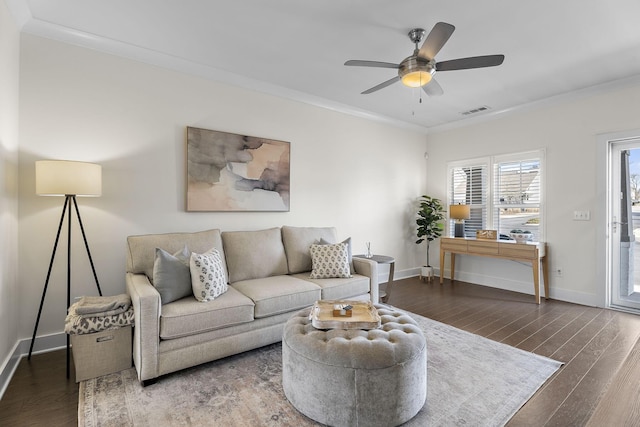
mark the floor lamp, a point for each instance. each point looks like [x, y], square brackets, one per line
[68, 179]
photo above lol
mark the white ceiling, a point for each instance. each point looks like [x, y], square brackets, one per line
[297, 48]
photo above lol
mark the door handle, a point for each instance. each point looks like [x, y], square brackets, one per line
[616, 223]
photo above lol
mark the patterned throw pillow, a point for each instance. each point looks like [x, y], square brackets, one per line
[348, 242]
[329, 261]
[208, 280]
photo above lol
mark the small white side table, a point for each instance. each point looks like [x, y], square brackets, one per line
[383, 259]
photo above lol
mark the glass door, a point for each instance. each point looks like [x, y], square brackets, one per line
[624, 224]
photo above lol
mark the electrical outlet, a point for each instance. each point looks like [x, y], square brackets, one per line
[581, 215]
[557, 272]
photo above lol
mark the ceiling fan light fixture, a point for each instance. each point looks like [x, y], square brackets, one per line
[416, 73]
[418, 69]
[417, 78]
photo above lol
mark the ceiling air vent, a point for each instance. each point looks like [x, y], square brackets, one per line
[475, 110]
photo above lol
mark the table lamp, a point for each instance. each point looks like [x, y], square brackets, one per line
[459, 213]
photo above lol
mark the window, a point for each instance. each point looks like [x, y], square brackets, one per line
[504, 193]
[469, 185]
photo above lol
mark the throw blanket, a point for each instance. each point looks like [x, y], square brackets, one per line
[76, 324]
[89, 306]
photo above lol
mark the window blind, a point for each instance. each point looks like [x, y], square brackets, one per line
[517, 196]
[468, 187]
[504, 193]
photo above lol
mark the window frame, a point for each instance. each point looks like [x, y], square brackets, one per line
[489, 205]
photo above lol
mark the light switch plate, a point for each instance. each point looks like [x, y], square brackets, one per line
[581, 215]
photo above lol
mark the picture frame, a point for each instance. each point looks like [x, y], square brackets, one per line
[229, 172]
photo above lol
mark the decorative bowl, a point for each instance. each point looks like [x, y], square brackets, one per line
[521, 237]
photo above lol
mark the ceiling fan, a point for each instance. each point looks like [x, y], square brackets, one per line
[418, 69]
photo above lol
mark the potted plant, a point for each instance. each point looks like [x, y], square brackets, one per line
[430, 227]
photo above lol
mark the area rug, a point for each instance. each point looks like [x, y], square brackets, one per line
[471, 381]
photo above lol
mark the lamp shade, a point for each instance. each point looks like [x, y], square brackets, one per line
[64, 177]
[459, 211]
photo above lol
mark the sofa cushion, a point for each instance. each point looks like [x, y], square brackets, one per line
[278, 294]
[298, 240]
[339, 288]
[254, 254]
[330, 261]
[207, 275]
[171, 275]
[187, 316]
[141, 250]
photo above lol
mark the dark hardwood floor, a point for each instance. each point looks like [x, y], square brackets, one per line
[600, 379]
[598, 386]
[40, 394]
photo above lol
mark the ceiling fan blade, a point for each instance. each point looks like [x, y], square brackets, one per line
[433, 88]
[381, 85]
[471, 62]
[438, 36]
[377, 64]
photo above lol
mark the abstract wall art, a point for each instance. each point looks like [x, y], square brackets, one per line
[231, 172]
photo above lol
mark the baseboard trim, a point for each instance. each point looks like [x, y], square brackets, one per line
[397, 275]
[44, 344]
[9, 368]
[525, 287]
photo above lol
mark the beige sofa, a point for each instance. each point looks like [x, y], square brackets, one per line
[269, 279]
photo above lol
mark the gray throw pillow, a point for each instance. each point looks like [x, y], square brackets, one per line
[171, 275]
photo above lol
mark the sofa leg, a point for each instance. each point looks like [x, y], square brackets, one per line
[152, 381]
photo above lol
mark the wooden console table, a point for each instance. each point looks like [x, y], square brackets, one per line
[535, 253]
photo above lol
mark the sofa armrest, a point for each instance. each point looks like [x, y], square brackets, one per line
[146, 337]
[369, 268]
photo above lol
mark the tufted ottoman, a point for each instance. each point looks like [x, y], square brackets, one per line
[355, 377]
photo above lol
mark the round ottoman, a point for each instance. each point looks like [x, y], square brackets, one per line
[355, 377]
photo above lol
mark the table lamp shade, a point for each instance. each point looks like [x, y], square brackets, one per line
[64, 177]
[459, 211]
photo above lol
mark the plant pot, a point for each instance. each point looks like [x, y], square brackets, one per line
[426, 272]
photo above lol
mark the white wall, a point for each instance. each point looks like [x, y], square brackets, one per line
[78, 104]
[9, 104]
[568, 131]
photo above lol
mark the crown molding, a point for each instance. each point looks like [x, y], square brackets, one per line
[541, 103]
[28, 24]
[137, 53]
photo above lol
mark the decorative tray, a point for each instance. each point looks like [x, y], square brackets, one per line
[363, 315]
[487, 234]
